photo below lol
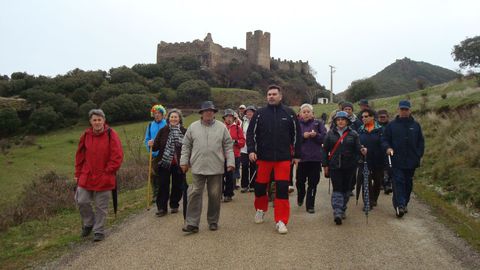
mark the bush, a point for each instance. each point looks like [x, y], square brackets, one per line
[128, 107]
[124, 74]
[42, 198]
[9, 121]
[43, 120]
[179, 78]
[157, 84]
[148, 71]
[85, 108]
[193, 92]
[80, 95]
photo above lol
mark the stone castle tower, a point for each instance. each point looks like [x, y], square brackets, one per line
[211, 54]
[258, 48]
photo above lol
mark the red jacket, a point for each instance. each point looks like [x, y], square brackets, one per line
[98, 159]
[238, 138]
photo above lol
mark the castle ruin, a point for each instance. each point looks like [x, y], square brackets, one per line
[211, 55]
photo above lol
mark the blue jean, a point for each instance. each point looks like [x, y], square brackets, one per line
[402, 186]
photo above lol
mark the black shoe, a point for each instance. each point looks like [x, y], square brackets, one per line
[86, 230]
[338, 220]
[373, 204]
[399, 211]
[161, 213]
[387, 190]
[405, 210]
[97, 237]
[311, 210]
[190, 229]
[227, 199]
[299, 203]
[350, 194]
[213, 227]
[174, 210]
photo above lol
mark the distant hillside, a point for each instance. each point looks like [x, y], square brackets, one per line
[405, 75]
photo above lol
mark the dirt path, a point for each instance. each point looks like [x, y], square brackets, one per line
[417, 241]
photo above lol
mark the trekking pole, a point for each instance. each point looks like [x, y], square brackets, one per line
[329, 183]
[149, 184]
[251, 178]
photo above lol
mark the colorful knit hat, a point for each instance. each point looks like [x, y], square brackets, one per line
[157, 108]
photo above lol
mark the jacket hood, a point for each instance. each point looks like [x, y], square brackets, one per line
[90, 130]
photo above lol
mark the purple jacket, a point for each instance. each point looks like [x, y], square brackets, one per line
[312, 147]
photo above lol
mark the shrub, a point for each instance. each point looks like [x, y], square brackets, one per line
[85, 108]
[124, 74]
[9, 121]
[179, 78]
[43, 119]
[193, 91]
[157, 84]
[80, 95]
[128, 107]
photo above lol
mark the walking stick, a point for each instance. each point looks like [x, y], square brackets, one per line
[149, 184]
[329, 183]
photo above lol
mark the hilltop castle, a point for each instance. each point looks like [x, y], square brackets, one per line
[211, 54]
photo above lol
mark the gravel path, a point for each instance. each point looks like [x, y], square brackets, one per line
[417, 241]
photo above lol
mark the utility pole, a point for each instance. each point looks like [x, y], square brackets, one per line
[332, 70]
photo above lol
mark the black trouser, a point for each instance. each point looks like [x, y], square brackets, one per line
[164, 194]
[342, 179]
[248, 171]
[290, 182]
[375, 180]
[228, 185]
[309, 172]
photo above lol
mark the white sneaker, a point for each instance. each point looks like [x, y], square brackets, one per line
[259, 216]
[281, 227]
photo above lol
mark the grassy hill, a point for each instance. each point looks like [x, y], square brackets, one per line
[233, 97]
[402, 77]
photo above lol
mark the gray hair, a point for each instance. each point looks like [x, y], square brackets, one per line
[306, 105]
[97, 112]
[177, 111]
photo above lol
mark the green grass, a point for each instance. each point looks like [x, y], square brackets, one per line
[232, 97]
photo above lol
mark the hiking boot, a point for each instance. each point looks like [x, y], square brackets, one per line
[227, 199]
[161, 213]
[244, 190]
[338, 220]
[97, 237]
[86, 230]
[174, 210]
[259, 215]
[281, 227]
[387, 190]
[399, 211]
[213, 227]
[311, 210]
[190, 229]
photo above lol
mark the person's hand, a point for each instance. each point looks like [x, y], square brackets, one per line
[306, 135]
[230, 168]
[326, 172]
[363, 150]
[390, 151]
[184, 168]
[253, 157]
[313, 134]
[296, 160]
[150, 143]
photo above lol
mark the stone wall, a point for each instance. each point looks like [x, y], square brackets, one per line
[288, 65]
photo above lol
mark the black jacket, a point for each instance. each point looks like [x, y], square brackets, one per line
[404, 136]
[347, 154]
[273, 133]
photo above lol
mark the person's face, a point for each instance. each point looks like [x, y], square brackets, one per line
[229, 119]
[348, 110]
[158, 116]
[341, 122]
[241, 111]
[249, 114]
[383, 118]
[97, 123]
[404, 112]
[366, 118]
[306, 114]
[174, 119]
[208, 115]
[274, 97]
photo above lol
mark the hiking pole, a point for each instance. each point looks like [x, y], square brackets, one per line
[251, 178]
[329, 183]
[149, 184]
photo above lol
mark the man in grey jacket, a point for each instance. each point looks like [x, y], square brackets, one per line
[206, 146]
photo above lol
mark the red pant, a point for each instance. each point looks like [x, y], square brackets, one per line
[281, 170]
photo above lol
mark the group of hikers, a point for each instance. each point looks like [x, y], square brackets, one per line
[267, 144]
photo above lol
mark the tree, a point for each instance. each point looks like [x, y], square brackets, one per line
[123, 74]
[179, 78]
[128, 107]
[80, 95]
[85, 108]
[468, 52]
[43, 120]
[361, 89]
[9, 121]
[148, 71]
[193, 91]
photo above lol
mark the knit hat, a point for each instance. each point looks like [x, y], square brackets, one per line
[347, 104]
[157, 108]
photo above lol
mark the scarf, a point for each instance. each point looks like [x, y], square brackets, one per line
[175, 138]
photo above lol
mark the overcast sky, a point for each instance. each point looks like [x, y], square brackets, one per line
[360, 38]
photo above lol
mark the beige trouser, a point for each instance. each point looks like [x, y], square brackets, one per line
[195, 194]
[84, 200]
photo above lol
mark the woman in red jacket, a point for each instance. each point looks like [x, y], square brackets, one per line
[98, 158]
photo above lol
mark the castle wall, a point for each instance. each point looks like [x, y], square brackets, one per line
[258, 48]
[287, 65]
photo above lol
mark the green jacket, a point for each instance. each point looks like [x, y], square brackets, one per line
[205, 148]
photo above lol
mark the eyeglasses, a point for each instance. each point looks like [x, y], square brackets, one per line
[365, 116]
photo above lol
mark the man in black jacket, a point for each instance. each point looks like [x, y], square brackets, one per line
[403, 141]
[272, 136]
